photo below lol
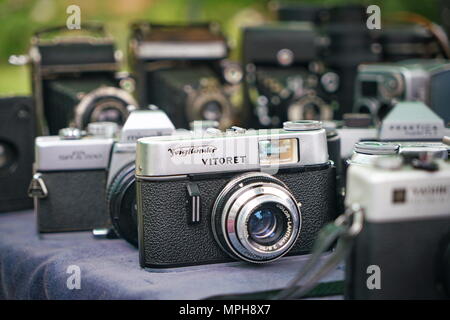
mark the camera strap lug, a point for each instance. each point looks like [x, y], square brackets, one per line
[343, 230]
[37, 188]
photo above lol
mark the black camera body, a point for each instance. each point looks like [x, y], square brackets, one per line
[183, 70]
[220, 207]
[16, 152]
[403, 249]
[285, 78]
[76, 80]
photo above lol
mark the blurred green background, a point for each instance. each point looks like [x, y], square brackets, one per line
[20, 18]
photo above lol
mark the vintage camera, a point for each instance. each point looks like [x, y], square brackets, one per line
[405, 238]
[236, 195]
[381, 86]
[17, 132]
[120, 186]
[76, 171]
[285, 79]
[351, 43]
[76, 80]
[68, 185]
[183, 69]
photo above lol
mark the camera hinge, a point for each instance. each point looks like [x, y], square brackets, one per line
[194, 204]
[37, 188]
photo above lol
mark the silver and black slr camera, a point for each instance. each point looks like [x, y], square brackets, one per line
[121, 190]
[285, 77]
[183, 69]
[76, 79]
[379, 87]
[75, 171]
[236, 195]
[404, 244]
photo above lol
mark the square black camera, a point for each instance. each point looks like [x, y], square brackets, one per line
[76, 80]
[183, 70]
[17, 132]
[253, 195]
[285, 77]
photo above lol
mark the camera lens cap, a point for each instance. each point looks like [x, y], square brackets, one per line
[377, 148]
[302, 125]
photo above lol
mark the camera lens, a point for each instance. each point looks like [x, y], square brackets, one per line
[121, 202]
[105, 104]
[255, 218]
[8, 156]
[266, 225]
[212, 110]
[109, 110]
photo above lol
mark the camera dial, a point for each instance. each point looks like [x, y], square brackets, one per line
[102, 129]
[71, 134]
[256, 218]
[302, 125]
[309, 108]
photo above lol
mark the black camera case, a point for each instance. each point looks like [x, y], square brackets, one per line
[168, 238]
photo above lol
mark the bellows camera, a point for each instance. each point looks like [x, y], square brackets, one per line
[183, 70]
[285, 78]
[236, 195]
[17, 132]
[380, 86]
[403, 249]
[75, 79]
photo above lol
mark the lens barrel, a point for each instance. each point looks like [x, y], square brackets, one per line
[256, 218]
[121, 203]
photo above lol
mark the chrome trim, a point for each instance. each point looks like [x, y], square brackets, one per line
[87, 100]
[236, 213]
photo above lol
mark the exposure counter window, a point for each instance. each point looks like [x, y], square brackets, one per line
[280, 151]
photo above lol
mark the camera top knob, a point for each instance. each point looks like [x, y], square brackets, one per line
[102, 129]
[302, 125]
[71, 134]
[377, 148]
[389, 163]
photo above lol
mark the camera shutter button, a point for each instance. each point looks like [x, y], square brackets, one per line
[71, 134]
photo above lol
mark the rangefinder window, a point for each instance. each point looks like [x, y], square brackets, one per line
[283, 151]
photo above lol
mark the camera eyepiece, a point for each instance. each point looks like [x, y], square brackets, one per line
[256, 218]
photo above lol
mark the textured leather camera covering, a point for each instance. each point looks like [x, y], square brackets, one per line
[167, 240]
[75, 201]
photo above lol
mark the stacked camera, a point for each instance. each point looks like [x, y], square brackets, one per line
[166, 157]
